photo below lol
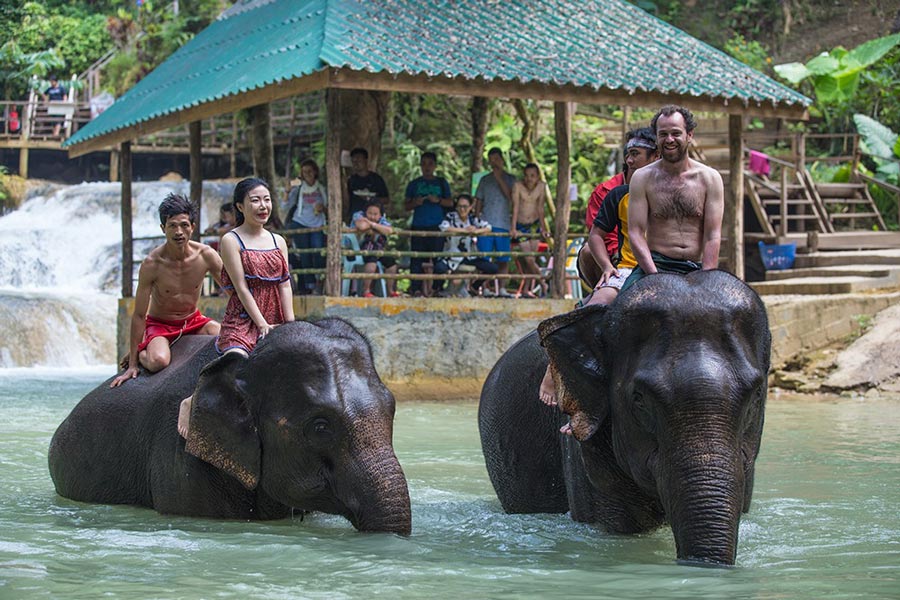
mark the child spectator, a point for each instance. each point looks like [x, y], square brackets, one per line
[307, 210]
[373, 230]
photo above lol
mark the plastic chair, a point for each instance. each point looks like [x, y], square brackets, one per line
[350, 241]
[575, 288]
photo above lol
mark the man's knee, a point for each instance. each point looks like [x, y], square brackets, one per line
[156, 356]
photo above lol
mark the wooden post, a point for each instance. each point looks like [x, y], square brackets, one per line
[563, 116]
[333, 259]
[127, 249]
[232, 165]
[113, 165]
[734, 209]
[782, 209]
[620, 152]
[196, 146]
[23, 161]
[25, 128]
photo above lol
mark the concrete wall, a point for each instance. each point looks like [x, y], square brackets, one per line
[801, 324]
[441, 348]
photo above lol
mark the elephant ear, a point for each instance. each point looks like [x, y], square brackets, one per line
[575, 349]
[222, 430]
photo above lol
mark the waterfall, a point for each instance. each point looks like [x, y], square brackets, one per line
[60, 268]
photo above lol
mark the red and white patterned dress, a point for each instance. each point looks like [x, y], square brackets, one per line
[264, 271]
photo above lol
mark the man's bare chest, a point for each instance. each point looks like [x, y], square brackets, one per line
[673, 199]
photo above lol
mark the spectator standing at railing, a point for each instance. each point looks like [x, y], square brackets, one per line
[464, 226]
[528, 199]
[363, 186]
[307, 210]
[493, 197]
[427, 196]
[372, 230]
[55, 93]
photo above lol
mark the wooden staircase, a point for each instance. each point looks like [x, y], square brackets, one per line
[789, 201]
[850, 205]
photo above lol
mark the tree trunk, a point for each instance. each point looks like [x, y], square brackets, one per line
[479, 112]
[362, 119]
[529, 126]
[264, 154]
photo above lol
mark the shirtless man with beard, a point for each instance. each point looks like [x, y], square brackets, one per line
[676, 204]
[169, 283]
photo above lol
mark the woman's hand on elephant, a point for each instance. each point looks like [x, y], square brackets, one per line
[130, 373]
[263, 330]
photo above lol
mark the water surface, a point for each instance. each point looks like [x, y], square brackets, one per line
[823, 522]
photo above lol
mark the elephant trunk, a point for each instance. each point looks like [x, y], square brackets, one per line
[378, 500]
[704, 501]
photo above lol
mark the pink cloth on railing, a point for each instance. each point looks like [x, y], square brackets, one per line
[759, 163]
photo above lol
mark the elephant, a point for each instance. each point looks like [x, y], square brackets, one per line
[665, 389]
[302, 423]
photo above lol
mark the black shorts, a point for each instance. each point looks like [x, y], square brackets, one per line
[386, 261]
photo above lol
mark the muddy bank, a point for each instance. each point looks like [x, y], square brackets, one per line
[866, 364]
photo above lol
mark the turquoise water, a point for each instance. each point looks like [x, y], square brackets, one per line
[823, 523]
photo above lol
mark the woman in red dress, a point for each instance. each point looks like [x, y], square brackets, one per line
[255, 273]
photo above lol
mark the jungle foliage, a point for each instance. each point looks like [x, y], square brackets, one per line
[79, 32]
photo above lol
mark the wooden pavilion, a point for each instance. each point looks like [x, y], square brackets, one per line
[564, 51]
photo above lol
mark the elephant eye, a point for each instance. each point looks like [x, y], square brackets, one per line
[642, 412]
[319, 428]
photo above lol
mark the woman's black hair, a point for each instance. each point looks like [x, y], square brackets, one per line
[241, 190]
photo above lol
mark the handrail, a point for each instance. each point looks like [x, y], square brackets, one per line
[773, 159]
[889, 187]
[413, 254]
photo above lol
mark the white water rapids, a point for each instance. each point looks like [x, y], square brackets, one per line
[60, 265]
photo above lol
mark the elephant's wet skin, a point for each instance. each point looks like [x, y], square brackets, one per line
[666, 391]
[303, 423]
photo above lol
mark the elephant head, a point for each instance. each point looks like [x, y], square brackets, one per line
[306, 420]
[666, 391]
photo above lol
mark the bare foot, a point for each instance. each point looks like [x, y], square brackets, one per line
[184, 417]
[547, 392]
[566, 429]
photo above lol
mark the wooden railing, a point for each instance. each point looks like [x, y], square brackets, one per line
[545, 277]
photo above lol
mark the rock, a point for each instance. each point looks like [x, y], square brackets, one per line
[873, 359]
[172, 176]
[791, 380]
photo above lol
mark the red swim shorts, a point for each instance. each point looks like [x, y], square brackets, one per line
[172, 330]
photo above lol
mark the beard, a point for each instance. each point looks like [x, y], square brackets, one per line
[674, 155]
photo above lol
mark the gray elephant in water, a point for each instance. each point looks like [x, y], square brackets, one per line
[303, 423]
[666, 391]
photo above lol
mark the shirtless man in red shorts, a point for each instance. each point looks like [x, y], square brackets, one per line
[169, 283]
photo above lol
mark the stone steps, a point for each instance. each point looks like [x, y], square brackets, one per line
[835, 273]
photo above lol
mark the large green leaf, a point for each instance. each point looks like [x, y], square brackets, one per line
[847, 83]
[823, 64]
[897, 147]
[879, 139]
[794, 72]
[827, 89]
[870, 52]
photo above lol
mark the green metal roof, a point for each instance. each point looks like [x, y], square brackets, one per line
[595, 44]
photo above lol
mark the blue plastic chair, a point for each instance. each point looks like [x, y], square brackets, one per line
[349, 241]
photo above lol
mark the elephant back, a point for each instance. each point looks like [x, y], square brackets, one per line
[98, 453]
